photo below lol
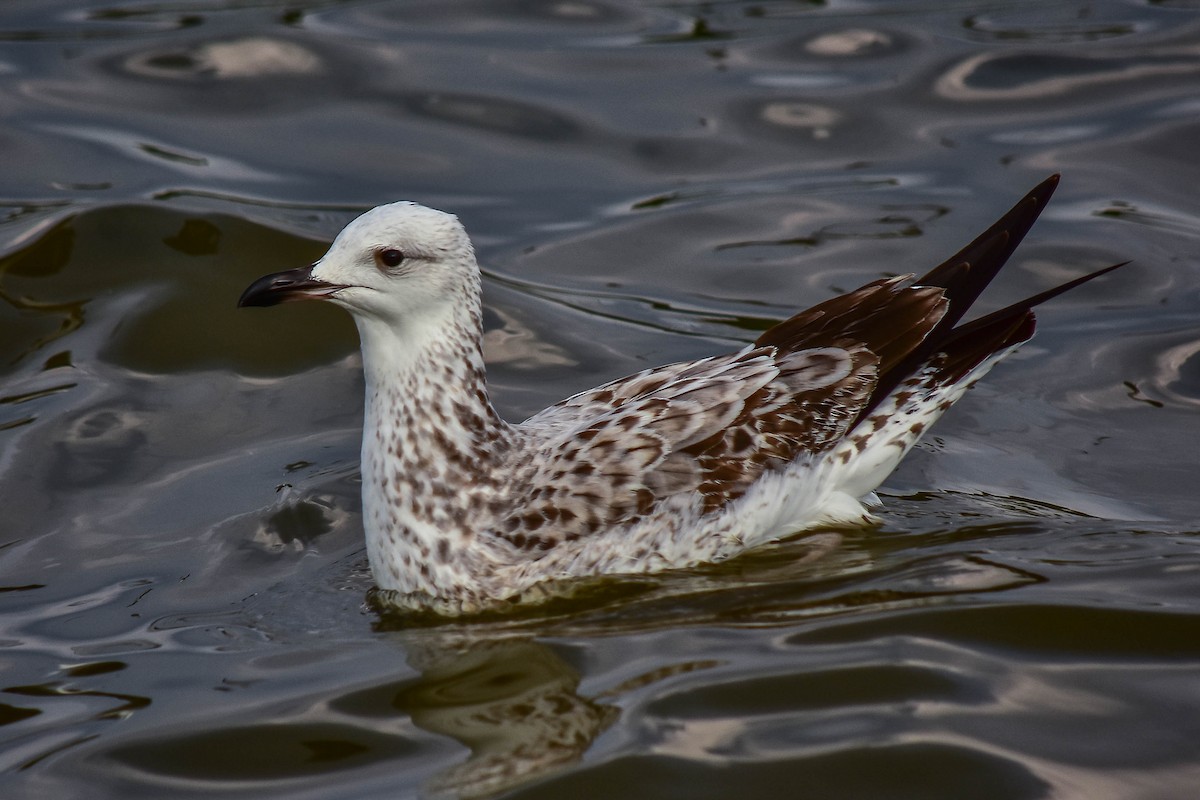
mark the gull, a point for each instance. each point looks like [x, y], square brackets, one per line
[675, 466]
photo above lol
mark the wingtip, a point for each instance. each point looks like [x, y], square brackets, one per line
[963, 278]
[1049, 184]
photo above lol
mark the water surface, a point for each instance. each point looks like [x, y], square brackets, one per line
[181, 559]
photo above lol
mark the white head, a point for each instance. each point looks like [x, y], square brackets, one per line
[400, 260]
[400, 264]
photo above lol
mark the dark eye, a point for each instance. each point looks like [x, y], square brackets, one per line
[390, 257]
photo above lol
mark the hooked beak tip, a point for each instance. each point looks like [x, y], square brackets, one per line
[283, 287]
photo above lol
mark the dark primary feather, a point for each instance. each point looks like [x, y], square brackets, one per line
[715, 426]
[962, 278]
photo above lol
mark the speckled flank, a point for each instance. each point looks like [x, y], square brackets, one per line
[667, 468]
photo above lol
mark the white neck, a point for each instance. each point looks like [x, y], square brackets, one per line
[428, 419]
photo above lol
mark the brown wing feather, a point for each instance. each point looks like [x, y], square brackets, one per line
[788, 420]
[715, 426]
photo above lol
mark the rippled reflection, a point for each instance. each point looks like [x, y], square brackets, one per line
[514, 703]
[181, 564]
[1012, 77]
[240, 58]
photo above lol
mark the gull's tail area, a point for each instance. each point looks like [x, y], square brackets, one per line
[918, 383]
[962, 278]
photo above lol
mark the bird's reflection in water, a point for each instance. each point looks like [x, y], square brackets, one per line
[514, 701]
[511, 700]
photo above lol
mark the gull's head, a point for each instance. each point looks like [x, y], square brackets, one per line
[393, 263]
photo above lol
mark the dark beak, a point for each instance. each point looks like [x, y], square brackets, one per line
[282, 287]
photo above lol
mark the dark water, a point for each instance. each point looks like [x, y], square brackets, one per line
[181, 555]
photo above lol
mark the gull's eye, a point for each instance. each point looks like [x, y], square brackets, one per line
[390, 257]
